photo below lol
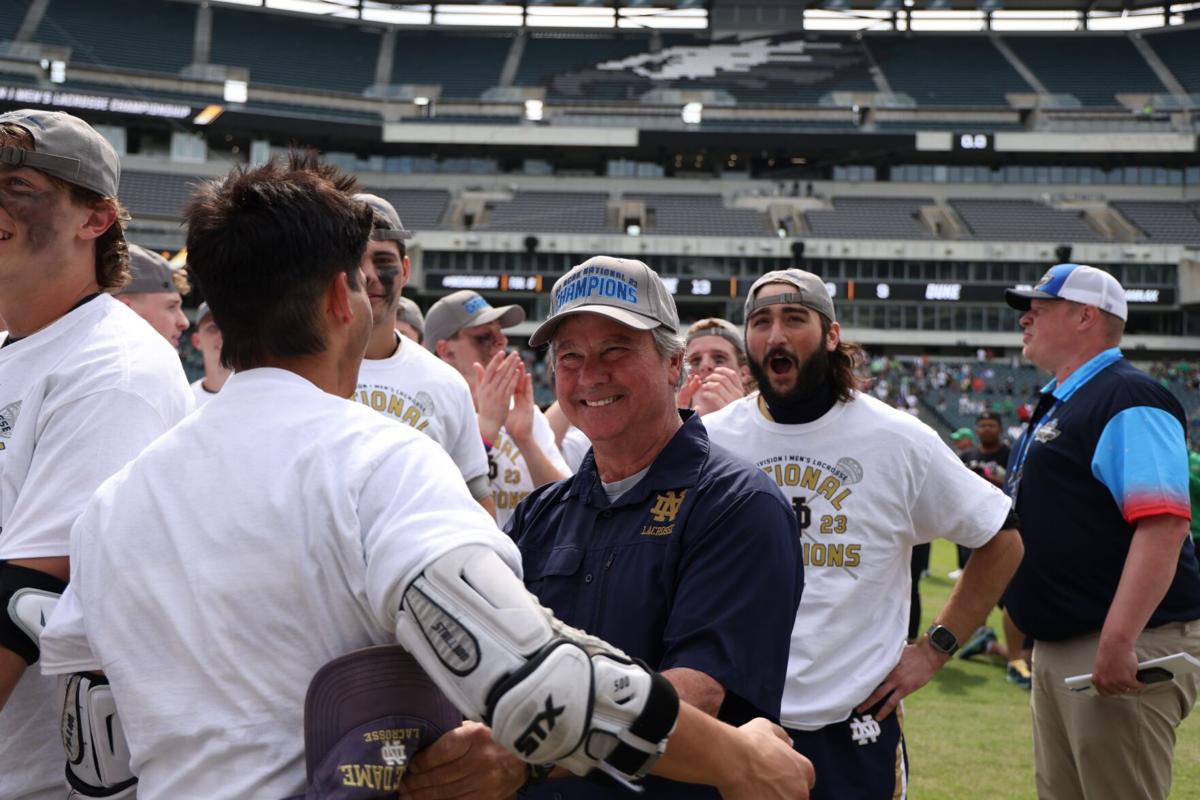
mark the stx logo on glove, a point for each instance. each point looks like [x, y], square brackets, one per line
[533, 735]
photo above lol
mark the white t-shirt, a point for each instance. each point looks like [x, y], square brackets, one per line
[874, 481]
[200, 394]
[78, 399]
[416, 387]
[267, 534]
[574, 446]
[511, 480]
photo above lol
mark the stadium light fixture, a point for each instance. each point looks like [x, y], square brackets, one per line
[236, 91]
[208, 115]
[692, 113]
[534, 110]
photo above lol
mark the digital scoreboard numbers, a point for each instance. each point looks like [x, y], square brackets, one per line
[933, 292]
[974, 142]
[512, 282]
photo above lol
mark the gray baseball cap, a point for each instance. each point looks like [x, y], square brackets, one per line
[387, 222]
[149, 272]
[465, 309]
[718, 327]
[202, 312]
[65, 147]
[368, 713]
[621, 289]
[410, 312]
[810, 292]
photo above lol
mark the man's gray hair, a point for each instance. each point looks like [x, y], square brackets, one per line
[670, 343]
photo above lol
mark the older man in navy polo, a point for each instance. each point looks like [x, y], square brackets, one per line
[667, 546]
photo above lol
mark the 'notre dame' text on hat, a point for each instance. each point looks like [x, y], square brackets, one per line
[365, 716]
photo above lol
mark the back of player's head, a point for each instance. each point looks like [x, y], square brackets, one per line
[264, 245]
[81, 162]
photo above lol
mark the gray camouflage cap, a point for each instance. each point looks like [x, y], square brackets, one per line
[811, 292]
[65, 147]
[621, 289]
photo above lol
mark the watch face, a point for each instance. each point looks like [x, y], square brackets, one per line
[943, 639]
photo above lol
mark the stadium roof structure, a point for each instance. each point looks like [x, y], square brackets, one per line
[362, 9]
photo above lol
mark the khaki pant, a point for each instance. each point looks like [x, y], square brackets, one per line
[1089, 747]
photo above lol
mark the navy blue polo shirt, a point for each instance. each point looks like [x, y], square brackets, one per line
[1105, 449]
[696, 566]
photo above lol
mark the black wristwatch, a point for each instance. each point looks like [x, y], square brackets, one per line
[942, 639]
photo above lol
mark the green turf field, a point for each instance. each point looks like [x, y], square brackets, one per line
[968, 731]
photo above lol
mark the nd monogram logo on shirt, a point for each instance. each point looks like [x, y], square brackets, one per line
[665, 509]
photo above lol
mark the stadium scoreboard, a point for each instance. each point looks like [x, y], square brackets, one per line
[719, 287]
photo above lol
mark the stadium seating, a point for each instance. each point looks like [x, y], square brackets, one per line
[305, 53]
[776, 70]
[1166, 222]
[155, 195]
[547, 56]
[550, 212]
[464, 65]
[419, 209]
[125, 34]
[1092, 68]
[943, 70]
[1022, 221]
[11, 14]
[698, 215]
[870, 218]
[938, 125]
[1178, 50]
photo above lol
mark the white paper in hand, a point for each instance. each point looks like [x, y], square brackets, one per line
[1177, 664]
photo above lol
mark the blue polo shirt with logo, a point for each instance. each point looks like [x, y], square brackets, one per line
[696, 566]
[1102, 451]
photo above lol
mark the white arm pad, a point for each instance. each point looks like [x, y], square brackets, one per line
[97, 753]
[550, 693]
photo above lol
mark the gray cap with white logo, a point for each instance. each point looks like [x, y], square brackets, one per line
[65, 147]
[465, 309]
[621, 289]
[810, 292]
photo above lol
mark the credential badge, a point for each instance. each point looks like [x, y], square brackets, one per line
[1048, 432]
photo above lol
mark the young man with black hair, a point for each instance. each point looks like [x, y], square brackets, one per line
[84, 386]
[284, 525]
[868, 483]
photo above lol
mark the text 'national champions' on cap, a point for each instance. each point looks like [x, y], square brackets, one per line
[621, 289]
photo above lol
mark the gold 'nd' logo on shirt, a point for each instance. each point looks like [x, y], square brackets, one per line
[666, 506]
